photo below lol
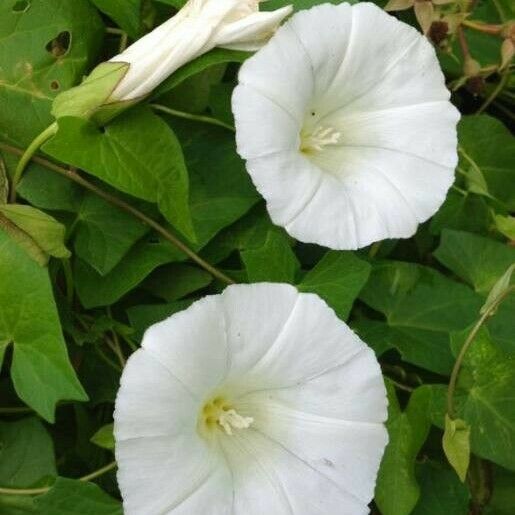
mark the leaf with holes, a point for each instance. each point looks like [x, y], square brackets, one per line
[46, 48]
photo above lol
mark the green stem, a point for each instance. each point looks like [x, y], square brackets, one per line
[74, 176]
[68, 277]
[27, 156]
[190, 116]
[45, 489]
[468, 342]
[493, 95]
[15, 410]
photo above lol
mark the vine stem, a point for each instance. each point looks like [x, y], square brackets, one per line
[194, 117]
[468, 342]
[167, 235]
[27, 155]
[498, 89]
[45, 489]
[15, 410]
[486, 28]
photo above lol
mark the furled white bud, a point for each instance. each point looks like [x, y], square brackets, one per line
[197, 28]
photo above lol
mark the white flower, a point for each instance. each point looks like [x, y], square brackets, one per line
[258, 401]
[346, 125]
[197, 28]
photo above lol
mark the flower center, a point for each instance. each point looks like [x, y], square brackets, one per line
[219, 414]
[320, 137]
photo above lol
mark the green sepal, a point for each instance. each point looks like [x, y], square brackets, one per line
[45, 232]
[91, 97]
[456, 445]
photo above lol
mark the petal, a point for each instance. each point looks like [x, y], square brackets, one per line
[398, 129]
[347, 453]
[161, 475]
[329, 217]
[192, 345]
[325, 47]
[254, 139]
[287, 180]
[333, 394]
[151, 401]
[255, 315]
[250, 33]
[313, 332]
[272, 71]
[368, 61]
[269, 479]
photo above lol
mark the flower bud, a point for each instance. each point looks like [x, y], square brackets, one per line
[197, 28]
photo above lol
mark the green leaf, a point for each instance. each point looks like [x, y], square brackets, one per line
[177, 280]
[126, 14]
[220, 187]
[503, 495]
[138, 154]
[275, 261]
[40, 370]
[456, 445]
[104, 233]
[505, 225]
[481, 262]
[299, 4]
[73, 497]
[26, 453]
[487, 389]
[250, 231]
[45, 49]
[95, 290]
[214, 57]
[104, 437]
[46, 189]
[478, 261]
[487, 147]
[465, 212]
[375, 334]
[338, 278]
[421, 307]
[397, 490]
[441, 491]
[46, 231]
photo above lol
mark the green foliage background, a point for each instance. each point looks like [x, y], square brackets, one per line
[82, 273]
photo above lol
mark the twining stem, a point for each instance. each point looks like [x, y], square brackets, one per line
[468, 342]
[190, 116]
[15, 410]
[497, 90]
[463, 43]
[167, 235]
[487, 28]
[68, 278]
[27, 155]
[45, 489]
[114, 344]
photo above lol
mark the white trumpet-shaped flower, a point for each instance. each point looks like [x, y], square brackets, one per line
[256, 401]
[346, 126]
[197, 28]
